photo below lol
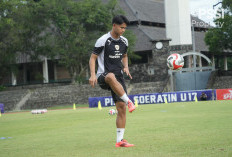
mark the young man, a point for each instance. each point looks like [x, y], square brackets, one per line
[111, 53]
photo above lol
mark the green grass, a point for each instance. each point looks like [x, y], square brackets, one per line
[68, 106]
[202, 129]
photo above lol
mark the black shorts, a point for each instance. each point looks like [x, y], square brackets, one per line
[104, 85]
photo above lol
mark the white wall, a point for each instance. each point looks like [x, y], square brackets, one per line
[178, 22]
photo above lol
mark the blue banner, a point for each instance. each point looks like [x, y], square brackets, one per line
[156, 98]
[1, 108]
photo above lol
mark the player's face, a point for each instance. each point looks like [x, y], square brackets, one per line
[119, 29]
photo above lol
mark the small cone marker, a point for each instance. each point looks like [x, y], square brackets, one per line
[165, 100]
[74, 106]
[196, 99]
[136, 103]
[99, 105]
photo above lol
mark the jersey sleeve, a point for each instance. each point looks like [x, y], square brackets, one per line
[126, 43]
[99, 46]
[126, 50]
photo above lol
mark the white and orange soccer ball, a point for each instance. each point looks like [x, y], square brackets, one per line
[112, 112]
[175, 61]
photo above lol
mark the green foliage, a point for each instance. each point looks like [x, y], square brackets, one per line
[9, 40]
[131, 39]
[227, 4]
[2, 88]
[219, 39]
[56, 29]
[77, 26]
[220, 62]
[229, 60]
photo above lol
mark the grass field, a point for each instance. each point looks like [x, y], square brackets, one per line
[202, 129]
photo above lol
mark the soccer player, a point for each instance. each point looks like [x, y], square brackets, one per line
[111, 53]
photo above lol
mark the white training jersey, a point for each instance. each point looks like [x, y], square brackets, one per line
[110, 52]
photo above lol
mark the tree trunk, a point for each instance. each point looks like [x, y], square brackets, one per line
[74, 76]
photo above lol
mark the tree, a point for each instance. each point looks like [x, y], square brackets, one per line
[219, 39]
[77, 30]
[9, 40]
[78, 24]
[22, 24]
[57, 29]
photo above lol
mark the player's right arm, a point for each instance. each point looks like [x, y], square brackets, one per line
[98, 48]
[92, 62]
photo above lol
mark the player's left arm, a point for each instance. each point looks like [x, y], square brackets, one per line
[125, 65]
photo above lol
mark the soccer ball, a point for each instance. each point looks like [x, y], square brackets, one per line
[175, 61]
[112, 112]
[39, 111]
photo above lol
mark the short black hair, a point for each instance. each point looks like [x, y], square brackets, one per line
[120, 19]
